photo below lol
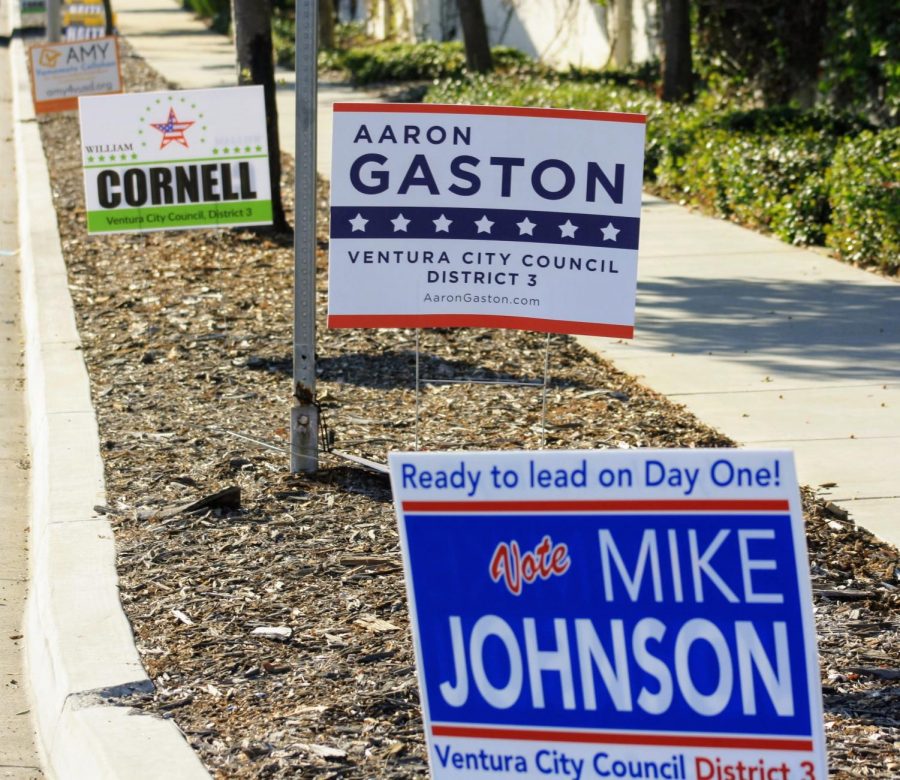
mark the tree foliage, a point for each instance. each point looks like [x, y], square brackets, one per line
[844, 52]
[861, 67]
[773, 47]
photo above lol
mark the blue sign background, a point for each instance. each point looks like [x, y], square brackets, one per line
[449, 557]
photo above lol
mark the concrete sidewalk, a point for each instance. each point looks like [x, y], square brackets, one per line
[19, 756]
[79, 649]
[775, 346]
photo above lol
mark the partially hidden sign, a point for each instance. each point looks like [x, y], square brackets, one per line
[61, 72]
[33, 13]
[174, 160]
[84, 15]
[84, 21]
[642, 614]
[485, 217]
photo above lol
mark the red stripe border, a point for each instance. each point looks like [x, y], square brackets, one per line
[604, 738]
[55, 104]
[438, 108]
[611, 505]
[480, 321]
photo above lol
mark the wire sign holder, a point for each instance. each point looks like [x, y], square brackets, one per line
[543, 384]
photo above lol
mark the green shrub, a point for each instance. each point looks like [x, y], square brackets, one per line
[217, 11]
[544, 92]
[283, 39]
[347, 35]
[765, 168]
[789, 119]
[673, 130]
[773, 182]
[527, 90]
[207, 8]
[397, 61]
[642, 74]
[864, 188]
[404, 61]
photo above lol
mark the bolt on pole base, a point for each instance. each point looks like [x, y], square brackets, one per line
[304, 439]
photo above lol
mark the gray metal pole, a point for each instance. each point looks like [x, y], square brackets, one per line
[305, 414]
[544, 392]
[54, 21]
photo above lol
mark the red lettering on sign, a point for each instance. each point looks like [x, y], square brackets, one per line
[517, 569]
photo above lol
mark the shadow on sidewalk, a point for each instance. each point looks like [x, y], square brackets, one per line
[804, 328]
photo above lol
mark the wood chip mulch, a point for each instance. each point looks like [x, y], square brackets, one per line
[273, 623]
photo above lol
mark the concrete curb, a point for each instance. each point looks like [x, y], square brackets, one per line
[79, 645]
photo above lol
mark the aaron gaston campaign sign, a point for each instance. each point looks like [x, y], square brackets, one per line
[485, 216]
[171, 160]
[641, 614]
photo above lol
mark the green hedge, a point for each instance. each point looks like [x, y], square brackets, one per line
[217, 11]
[774, 182]
[283, 39]
[396, 61]
[809, 177]
[864, 192]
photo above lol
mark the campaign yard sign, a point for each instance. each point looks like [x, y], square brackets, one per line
[61, 72]
[83, 15]
[485, 216]
[33, 13]
[172, 160]
[84, 21]
[640, 614]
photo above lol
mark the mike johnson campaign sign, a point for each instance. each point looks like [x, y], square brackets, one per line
[608, 614]
[485, 216]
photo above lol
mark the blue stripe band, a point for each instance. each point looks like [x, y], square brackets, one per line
[530, 227]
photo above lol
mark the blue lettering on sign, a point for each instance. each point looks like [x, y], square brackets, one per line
[630, 622]
[372, 173]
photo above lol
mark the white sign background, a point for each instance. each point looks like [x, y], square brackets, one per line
[168, 130]
[508, 233]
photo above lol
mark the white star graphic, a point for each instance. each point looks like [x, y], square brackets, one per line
[359, 223]
[526, 227]
[610, 232]
[400, 223]
[484, 224]
[442, 224]
[567, 229]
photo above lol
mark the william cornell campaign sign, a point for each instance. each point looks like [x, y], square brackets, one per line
[484, 216]
[642, 614]
[171, 160]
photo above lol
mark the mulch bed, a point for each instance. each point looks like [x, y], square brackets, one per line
[187, 337]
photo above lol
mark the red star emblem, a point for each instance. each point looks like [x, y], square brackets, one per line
[172, 130]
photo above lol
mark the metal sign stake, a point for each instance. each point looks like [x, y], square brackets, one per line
[544, 392]
[544, 385]
[305, 413]
[417, 389]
